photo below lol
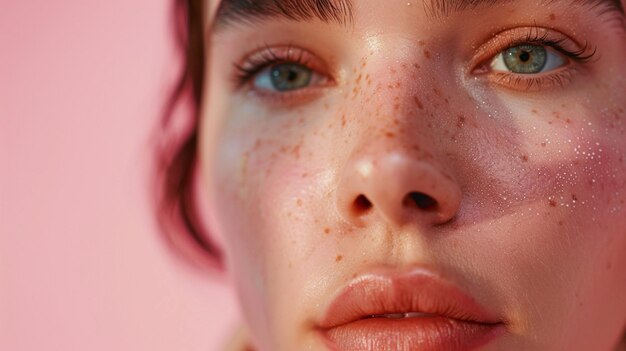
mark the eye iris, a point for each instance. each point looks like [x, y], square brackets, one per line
[286, 77]
[526, 59]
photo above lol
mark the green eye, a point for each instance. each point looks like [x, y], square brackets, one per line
[284, 77]
[528, 59]
[525, 58]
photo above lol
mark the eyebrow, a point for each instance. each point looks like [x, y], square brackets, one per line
[340, 11]
[443, 8]
[247, 11]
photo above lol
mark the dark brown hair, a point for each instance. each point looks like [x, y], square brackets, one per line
[176, 156]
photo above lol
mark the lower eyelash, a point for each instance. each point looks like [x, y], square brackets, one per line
[532, 83]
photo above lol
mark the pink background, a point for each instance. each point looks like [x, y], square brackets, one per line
[81, 263]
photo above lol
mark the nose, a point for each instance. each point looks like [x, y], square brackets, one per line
[397, 186]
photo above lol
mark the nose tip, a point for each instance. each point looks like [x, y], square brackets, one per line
[398, 188]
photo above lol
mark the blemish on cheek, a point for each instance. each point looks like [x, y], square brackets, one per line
[421, 42]
[427, 54]
[338, 258]
[524, 158]
[389, 135]
[552, 202]
[343, 120]
[299, 202]
[461, 121]
[327, 231]
[418, 102]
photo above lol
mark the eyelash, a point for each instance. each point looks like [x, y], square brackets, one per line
[530, 82]
[265, 56]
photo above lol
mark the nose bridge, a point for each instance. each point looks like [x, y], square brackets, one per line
[394, 171]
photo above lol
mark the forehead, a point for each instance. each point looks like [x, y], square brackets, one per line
[340, 11]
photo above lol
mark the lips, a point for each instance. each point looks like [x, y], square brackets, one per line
[416, 310]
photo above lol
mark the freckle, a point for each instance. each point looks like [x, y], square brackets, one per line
[305, 175]
[364, 63]
[552, 17]
[427, 54]
[290, 264]
[326, 230]
[343, 120]
[543, 144]
[552, 203]
[326, 106]
[299, 202]
[358, 79]
[417, 66]
[421, 43]
[395, 121]
[534, 111]
[389, 135]
[418, 102]
[574, 197]
[396, 107]
[561, 223]
[393, 70]
[398, 84]
[288, 214]
[568, 121]
[338, 258]
[429, 125]
[461, 121]
[296, 151]
[608, 266]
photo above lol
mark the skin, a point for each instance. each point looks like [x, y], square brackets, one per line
[531, 182]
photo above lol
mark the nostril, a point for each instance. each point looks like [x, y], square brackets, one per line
[421, 200]
[362, 204]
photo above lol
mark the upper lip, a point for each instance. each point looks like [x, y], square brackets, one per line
[414, 291]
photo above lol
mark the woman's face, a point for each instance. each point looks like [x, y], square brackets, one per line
[458, 165]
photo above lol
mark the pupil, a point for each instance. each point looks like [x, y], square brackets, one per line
[292, 76]
[524, 56]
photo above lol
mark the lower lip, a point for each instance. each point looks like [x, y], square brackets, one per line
[424, 334]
